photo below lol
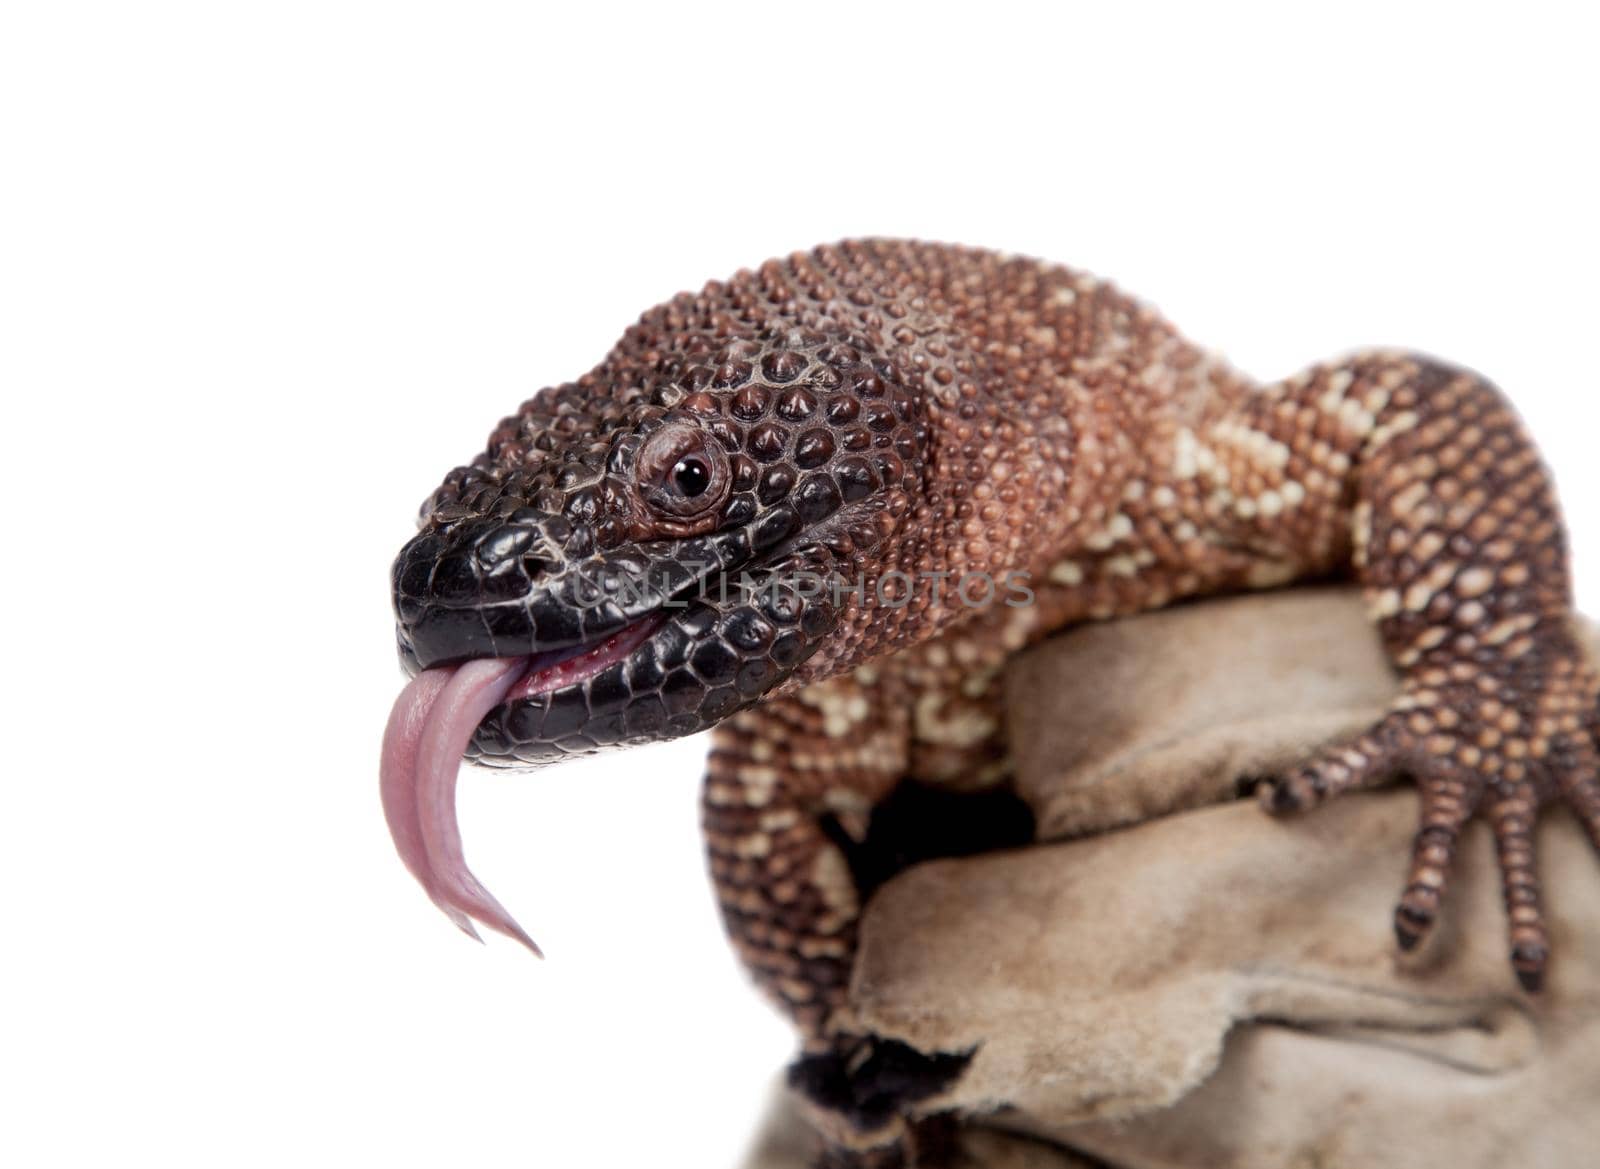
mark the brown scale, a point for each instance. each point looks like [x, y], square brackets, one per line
[1008, 416]
[1077, 438]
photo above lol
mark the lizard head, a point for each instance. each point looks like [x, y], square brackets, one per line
[664, 541]
[637, 555]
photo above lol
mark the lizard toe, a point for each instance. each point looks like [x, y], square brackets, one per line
[1364, 761]
[1447, 804]
[1511, 816]
[1577, 773]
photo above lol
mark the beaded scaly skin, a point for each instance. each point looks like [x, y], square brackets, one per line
[954, 415]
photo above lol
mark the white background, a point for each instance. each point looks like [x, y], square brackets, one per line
[267, 271]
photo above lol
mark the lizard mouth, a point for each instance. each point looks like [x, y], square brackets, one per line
[696, 655]
[431, 727]
[558, 668]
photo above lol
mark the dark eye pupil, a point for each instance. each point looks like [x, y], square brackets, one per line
[691, 477]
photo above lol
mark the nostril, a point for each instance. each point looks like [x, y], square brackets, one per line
[497, 547]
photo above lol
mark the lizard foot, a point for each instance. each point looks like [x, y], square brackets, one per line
[869, 1082]
[1500, 738]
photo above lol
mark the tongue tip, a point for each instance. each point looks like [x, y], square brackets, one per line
[507, 927]
[497, 919]
[488, 913]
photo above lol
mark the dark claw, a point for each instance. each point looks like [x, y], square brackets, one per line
[1411, 925]
[1529, 962]
[1278, 797]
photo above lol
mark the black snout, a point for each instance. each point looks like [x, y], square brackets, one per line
[461, 589]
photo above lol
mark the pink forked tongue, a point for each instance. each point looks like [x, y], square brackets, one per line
[429, 730]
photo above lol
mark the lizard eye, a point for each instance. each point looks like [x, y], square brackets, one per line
[683, 472]
[691, 476]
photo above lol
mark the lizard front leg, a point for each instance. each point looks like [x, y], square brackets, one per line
[1424, 474]
[777, 774]
[785, 780]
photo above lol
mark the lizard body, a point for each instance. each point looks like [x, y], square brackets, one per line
[906, 418]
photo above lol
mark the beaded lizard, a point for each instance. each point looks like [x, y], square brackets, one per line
[969, 451]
